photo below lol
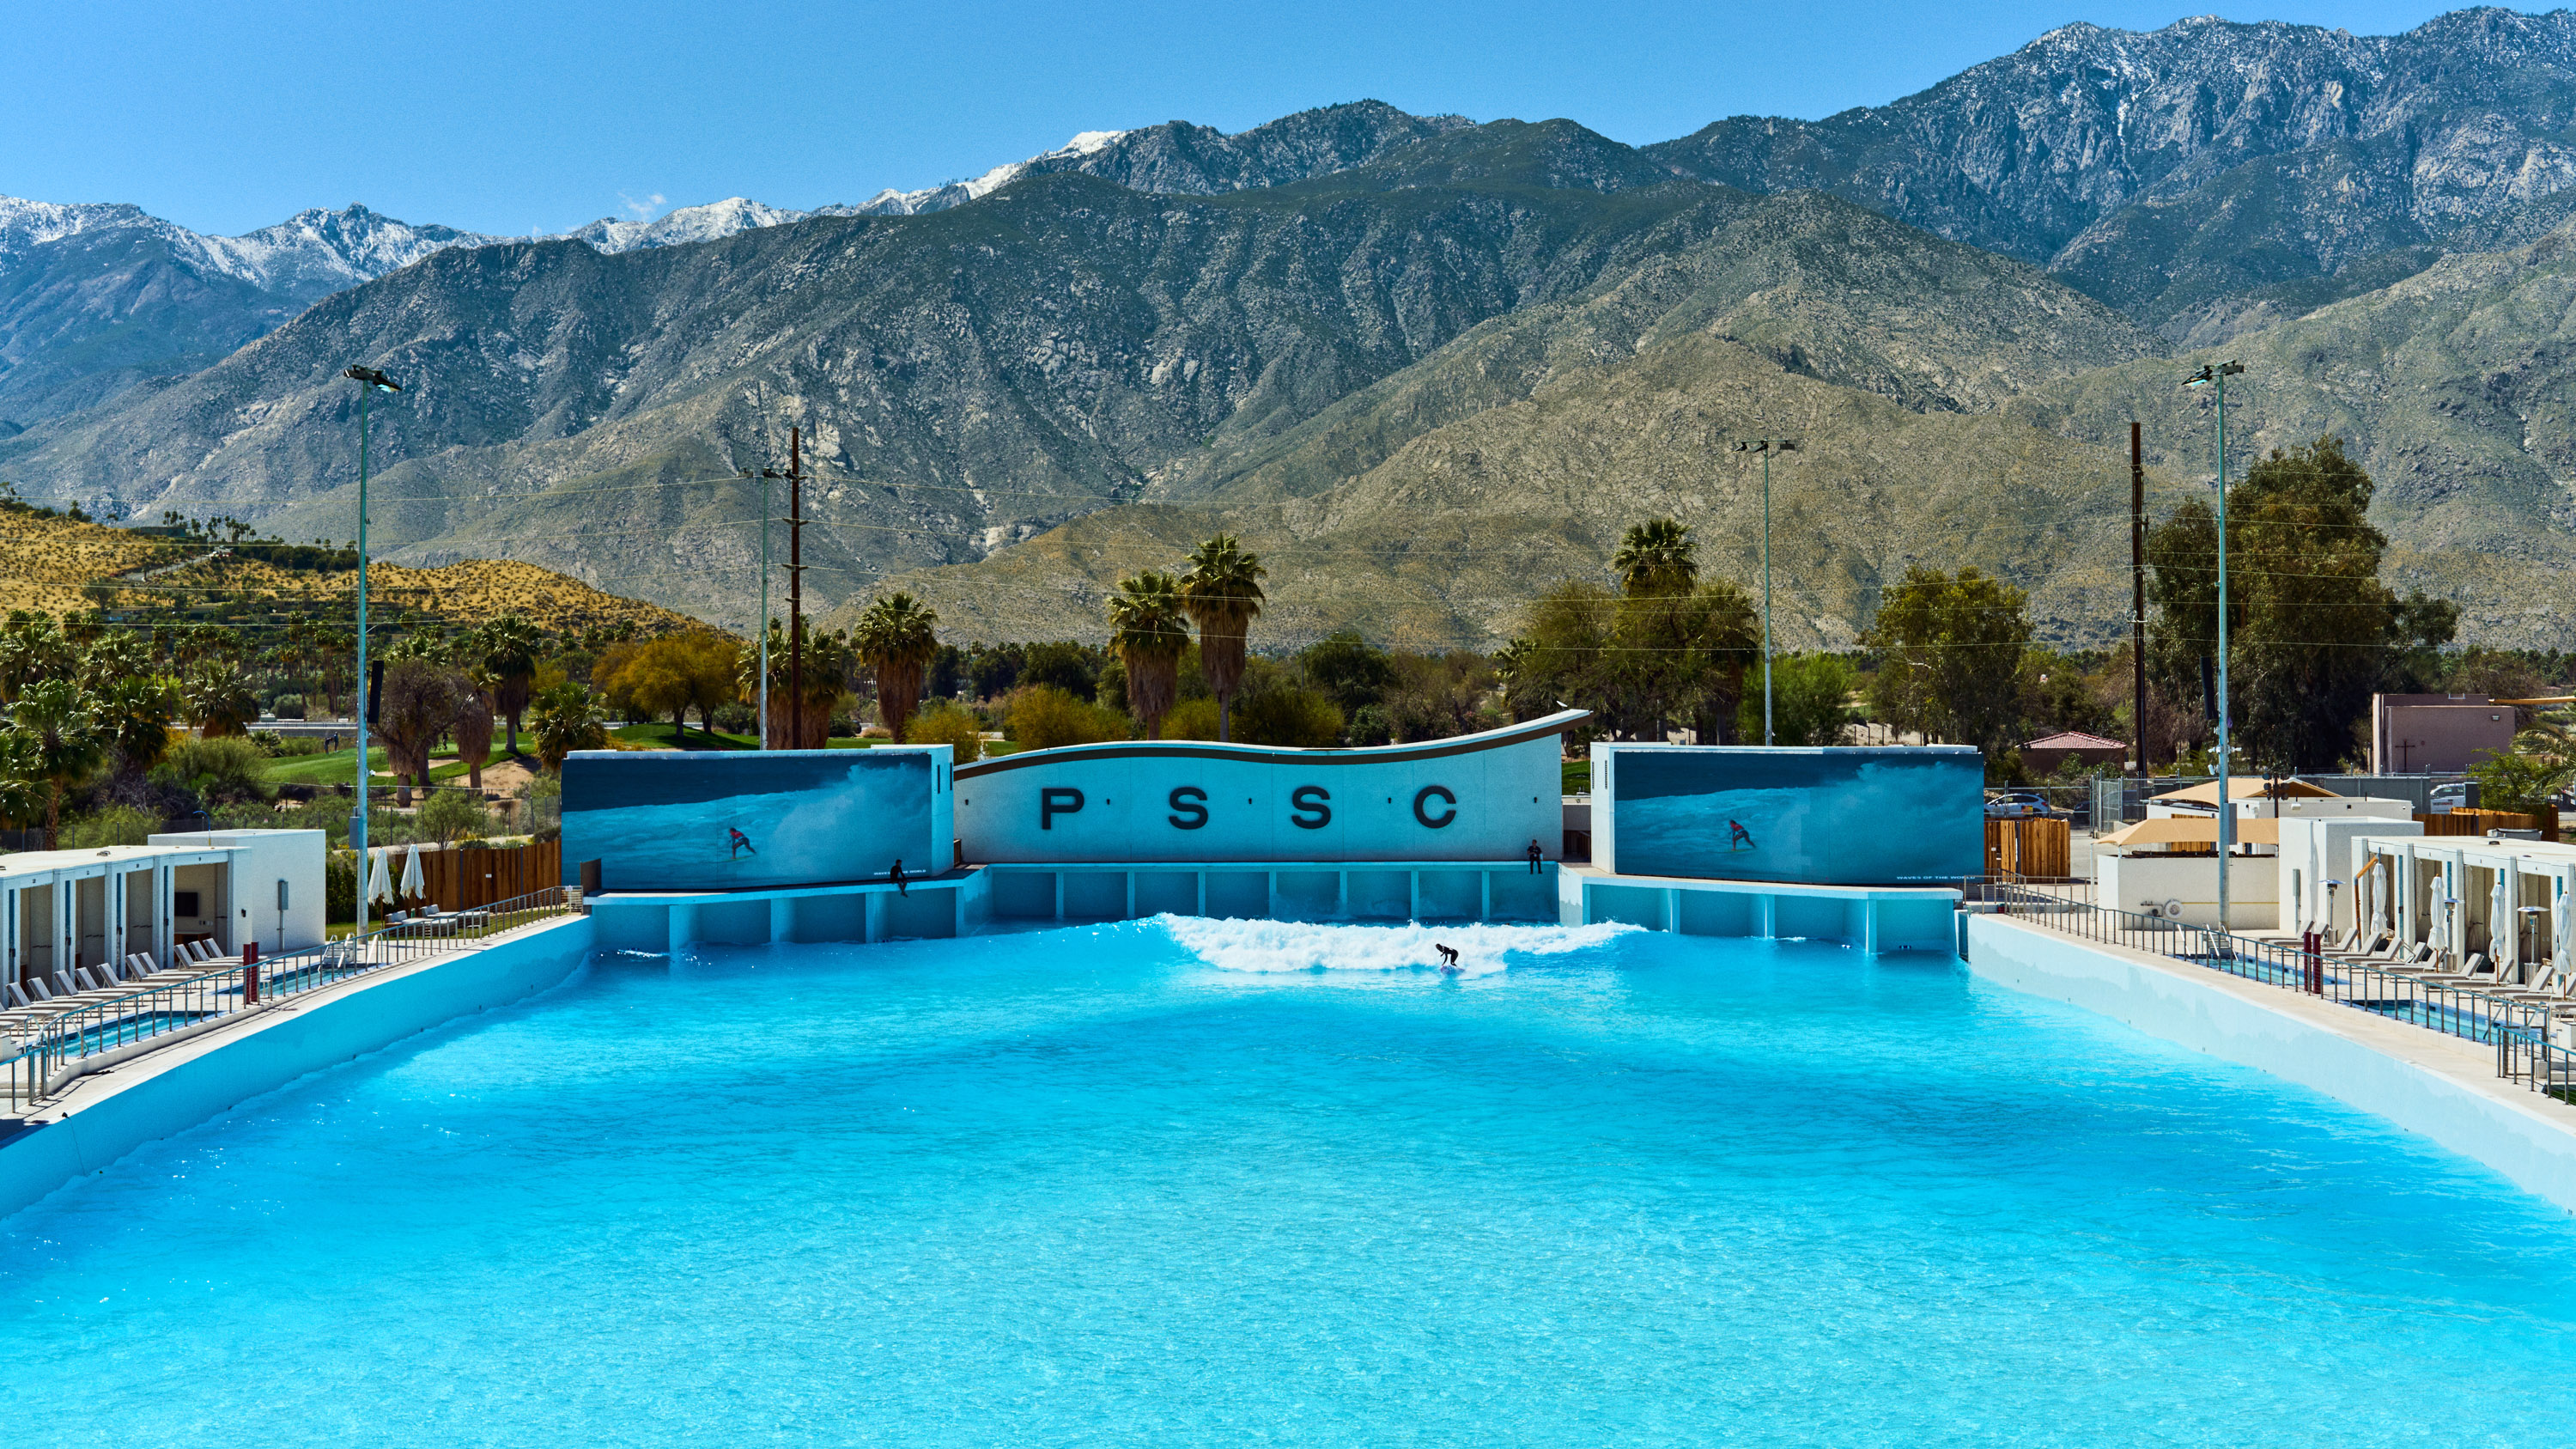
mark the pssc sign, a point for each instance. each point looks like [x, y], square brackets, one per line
[1476, 797]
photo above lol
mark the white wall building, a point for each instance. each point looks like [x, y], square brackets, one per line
[61, 909]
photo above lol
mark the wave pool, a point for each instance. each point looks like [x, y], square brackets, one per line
[1192, 1182]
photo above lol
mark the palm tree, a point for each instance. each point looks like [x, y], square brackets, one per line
[134, 714]
[895, 640]
[1222, 592]
[57, 722]
[420, 703]
[473, 727]
[1150, 630]
[828, 666]
[32, 648]
[566, 720]
[22, 783]
[509, 646]
[213, 698]
[1656, 557]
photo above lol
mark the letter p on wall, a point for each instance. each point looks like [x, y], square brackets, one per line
[1057, 800]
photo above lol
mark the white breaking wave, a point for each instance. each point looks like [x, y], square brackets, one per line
[1264, 946]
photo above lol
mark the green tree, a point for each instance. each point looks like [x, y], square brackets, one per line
[2311, 629]
[418, 707]
[451, 815]
[1950, 652]
[896, 638]
[1043, 717]
[1810, 701]
[1222, 593]
[1150, 631]
[829, 664]
[947, 723]
[134, 712]
[58, 722]
[1350, 669]
[33, 648]
[23, 791]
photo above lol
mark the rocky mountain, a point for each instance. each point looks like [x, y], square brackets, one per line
[2170, 173]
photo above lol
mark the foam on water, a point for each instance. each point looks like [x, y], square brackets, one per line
[1266, 946]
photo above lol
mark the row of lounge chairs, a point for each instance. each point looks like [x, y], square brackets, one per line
[2385, 951]
[37, 997]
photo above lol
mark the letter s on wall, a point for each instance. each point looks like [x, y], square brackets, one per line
[1191, 801]
[1423, 796]
[1309, 800]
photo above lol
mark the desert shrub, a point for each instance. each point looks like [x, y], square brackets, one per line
[1279, 715]
[946, 724]
[270, 742]
[224, 770]
[115, 825]
[738, 718]
[1043, 717]
[287, 706]
[451, 814]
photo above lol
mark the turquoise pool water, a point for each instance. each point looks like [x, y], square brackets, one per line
[1158, 1183]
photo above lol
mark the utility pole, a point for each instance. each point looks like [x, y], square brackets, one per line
[763, 622]
[1766, 447]
[2138, 594]
[795, 585]
[370, 382]
[2215, 375]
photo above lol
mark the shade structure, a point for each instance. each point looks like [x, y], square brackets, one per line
[413, 887]
[2247, 787]
[2193, 830]
[380, 875]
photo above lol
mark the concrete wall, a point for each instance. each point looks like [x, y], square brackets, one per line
[2502, 1130]
[193, 1082]
[261, 859]
[2320, 849]
[2436, 733]
[2144, 882]
[1474, 798]
[1874, 919]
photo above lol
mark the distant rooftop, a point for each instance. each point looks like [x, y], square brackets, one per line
[2075, 740]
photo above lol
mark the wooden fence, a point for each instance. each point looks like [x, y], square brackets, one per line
[2027, 848]
[2479, 822]
[461, 878]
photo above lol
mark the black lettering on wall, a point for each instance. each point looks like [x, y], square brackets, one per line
[1423, 797]
[1190, 801]
[1313, 813]
[1054, 801]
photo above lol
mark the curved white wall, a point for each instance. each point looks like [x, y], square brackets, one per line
[1476, 797]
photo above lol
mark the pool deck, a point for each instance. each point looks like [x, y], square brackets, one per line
[2426, 1082]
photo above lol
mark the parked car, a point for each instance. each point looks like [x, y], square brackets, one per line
[2458, 795]
[2017, 805]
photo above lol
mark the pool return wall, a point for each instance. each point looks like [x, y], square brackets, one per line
[2427, 1083]
[112, 1112]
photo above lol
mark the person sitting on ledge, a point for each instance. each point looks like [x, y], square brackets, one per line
[896, 875]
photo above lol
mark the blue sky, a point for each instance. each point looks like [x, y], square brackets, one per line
[230, 114]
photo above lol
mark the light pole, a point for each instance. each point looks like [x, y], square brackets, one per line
[2215, 375]
[1766, 447]
[370, 382]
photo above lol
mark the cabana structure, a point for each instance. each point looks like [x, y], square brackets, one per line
[65, 909]
[2497, 909]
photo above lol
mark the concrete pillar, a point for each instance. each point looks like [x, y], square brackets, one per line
[682, 929]
[1272, 878]
[1342, 893]
[1869, 926]
[1059, 897]
[1766, 916]
[1673, 909]
[1413, 903]
[1202, 875]
[872, 926]
[1131, 897]
[782, 920]
[1484, 895]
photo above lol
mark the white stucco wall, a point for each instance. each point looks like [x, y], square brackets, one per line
[260, 859]
[2144, 882]
[1479, 797]
[2318, 849]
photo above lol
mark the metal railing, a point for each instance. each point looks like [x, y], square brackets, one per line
[2519, 1025]
[44, 1051]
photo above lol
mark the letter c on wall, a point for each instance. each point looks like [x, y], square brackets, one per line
[1055, 801]
[1188, 801]
[1313, 813]
[1423, 796]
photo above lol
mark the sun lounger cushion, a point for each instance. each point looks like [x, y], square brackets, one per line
[18, 997]
[89, 978]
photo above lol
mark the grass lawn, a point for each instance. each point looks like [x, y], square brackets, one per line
[336, 769]
[1576, 776]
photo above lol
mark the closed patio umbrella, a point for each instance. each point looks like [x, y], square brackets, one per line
[2503, 941]
[2559, 922]
[380, 875]
[413, 887]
